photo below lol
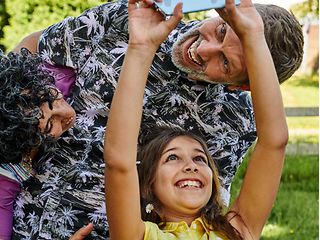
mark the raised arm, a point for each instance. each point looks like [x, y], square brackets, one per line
[262, 178]
[147, 30]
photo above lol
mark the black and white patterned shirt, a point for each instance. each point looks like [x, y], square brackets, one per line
[68, 191]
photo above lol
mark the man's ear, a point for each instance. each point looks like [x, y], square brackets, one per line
[239, 87]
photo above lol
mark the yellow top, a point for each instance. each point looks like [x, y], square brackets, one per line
[180, 230]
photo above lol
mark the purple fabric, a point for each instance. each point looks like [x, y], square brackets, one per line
[65, 77]
[8, 192]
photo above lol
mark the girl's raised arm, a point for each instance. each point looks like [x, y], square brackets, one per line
[262, 178]
[147, 29]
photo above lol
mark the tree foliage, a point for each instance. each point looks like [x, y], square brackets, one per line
[27, 16]
[19, 18]
[3, 19]
[308, 8]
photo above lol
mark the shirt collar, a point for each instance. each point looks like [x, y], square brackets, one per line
[197, 224]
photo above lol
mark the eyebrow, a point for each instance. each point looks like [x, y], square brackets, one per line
[174, 148]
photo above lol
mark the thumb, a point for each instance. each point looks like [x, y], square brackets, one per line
[176, 17]
[82, 232]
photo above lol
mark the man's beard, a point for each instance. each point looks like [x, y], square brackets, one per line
[177, 56]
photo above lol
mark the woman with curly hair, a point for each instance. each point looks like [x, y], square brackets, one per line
[33, 113]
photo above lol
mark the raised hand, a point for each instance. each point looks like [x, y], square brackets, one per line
[148, 28]
[244, 19]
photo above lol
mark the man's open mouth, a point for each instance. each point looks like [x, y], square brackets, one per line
[192, 52]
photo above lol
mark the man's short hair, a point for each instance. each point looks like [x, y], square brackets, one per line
[284, 37]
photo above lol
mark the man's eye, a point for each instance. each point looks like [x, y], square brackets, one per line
[223, 30]
[226, 64]
[172, 157]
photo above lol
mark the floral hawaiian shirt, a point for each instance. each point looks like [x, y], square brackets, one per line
[68, 191]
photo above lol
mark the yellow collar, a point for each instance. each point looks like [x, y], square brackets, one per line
[196, 224]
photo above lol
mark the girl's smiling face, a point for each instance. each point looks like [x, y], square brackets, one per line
[183, 180]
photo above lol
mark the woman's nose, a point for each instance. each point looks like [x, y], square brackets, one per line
[57, 129]
[63, 115]
[62, 109]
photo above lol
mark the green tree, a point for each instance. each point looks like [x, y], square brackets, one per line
[28, 16]
[195, 16]
[3, 20]
[308, 8]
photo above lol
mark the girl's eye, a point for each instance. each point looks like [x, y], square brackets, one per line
[172, 157]
[200, 159]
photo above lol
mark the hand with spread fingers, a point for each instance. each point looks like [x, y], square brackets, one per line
[148, 28]
[243, 19]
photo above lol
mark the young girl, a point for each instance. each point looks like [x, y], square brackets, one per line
[177, 196]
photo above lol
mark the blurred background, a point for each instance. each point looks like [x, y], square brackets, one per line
[296, 211]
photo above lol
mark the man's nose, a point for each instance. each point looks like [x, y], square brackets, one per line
[208, 49]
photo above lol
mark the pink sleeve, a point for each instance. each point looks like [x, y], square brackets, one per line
[8, 192]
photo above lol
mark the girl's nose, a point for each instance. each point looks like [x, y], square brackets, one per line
[190, 166]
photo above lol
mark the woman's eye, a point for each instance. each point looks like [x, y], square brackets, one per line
[48, 126]
[56, 92]
[172, 157]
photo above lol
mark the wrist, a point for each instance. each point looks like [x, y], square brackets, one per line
[254, 40]
[140, 55]
[143, 49]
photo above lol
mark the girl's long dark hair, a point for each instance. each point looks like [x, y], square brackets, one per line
[150, 149]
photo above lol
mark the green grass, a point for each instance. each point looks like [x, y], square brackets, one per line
[295, 213]
[301, 91]
[303, 130]
[309, 122]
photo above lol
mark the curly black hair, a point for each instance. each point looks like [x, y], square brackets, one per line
[24, 87]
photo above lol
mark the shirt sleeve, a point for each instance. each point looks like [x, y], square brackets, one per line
[72, 41]
[8, 192]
